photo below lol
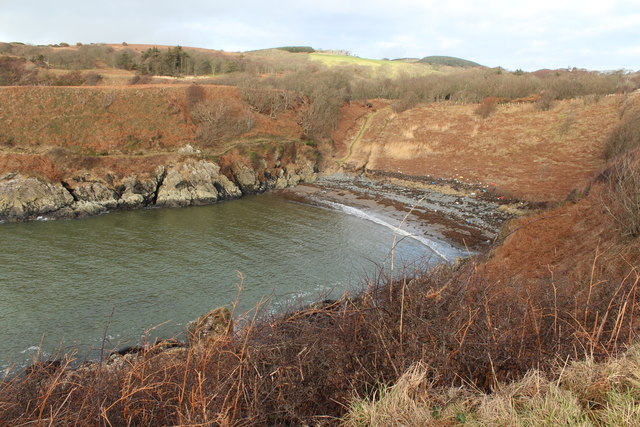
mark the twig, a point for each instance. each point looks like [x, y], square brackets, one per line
[104, 335]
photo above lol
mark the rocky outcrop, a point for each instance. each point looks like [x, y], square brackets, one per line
[195, 183]
[245, 177]
[138, 191]
[26, 197]
[185, 183]
[90, 189]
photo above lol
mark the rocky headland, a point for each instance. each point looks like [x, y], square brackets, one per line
[187, 182]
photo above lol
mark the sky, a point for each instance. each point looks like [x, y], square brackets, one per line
[528, 35]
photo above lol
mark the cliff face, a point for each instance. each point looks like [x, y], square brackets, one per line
[186, 182]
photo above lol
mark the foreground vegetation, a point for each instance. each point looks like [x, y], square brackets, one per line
[584, 393]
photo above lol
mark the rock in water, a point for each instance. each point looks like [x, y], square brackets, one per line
[25, 197]
[88, 188]
[245, 177]
[215, 323]
[194, 183]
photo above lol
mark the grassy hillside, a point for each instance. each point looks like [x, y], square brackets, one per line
[449, 61]
[379, 67]
[118, 120]
[525, 152]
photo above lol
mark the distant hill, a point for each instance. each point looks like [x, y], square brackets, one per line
[407, 59]
[297, 49]
[449, 60]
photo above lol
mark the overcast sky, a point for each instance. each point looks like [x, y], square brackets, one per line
[532, 34]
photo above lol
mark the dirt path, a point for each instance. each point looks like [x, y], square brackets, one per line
[363, 129]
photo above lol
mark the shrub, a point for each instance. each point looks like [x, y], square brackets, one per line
[141, 79]
[267, 101]
[487, 107]
[195, 94]
[92, 78]
[622, 198]
[320, 95]
[625, 135]
[218, 121]
[546, 101]
[319, 116]
[11, 70]
[405, 103]
[72, 78]
[298, 49]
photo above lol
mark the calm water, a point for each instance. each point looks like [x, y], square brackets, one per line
[60, 280]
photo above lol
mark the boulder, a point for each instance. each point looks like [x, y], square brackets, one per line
[82, 209]
[245, 178]
[26, 197]
[140, 191]
[87, 188]
[216, 323]
[194, 183]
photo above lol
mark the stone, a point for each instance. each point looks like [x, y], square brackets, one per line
[245, 177]
[27, 197]
[91, 189]
[217, 322]
[82, 209]
[139, 192]
[193, 183]
[188, 149]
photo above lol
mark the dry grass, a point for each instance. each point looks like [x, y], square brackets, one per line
[533, 155]
[582, 393]
[622, 200]
[130, 120]
[625, 136]
[487, 107]
[553, 291]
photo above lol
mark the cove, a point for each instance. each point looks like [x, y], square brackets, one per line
[158, 269]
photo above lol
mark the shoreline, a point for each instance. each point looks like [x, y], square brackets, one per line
[468, 220]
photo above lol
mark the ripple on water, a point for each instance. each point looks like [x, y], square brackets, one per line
[62, 279]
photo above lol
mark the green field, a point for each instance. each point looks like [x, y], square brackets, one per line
[378, 66]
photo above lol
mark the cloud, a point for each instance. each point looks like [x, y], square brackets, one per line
[529, 35]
